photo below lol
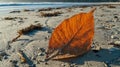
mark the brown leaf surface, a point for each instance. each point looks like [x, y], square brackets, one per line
[73, 37]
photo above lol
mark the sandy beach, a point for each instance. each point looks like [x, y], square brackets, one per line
[105, 50]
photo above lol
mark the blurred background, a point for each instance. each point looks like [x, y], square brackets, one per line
[59, 0]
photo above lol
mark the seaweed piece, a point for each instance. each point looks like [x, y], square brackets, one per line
[15, 11]
[45, 9]
[59, 7]
[111, 6]
[9, 18]
[50, 14]
[49, 9]
[69, 9]
[27, 30]
[27, 10]
[12, 18]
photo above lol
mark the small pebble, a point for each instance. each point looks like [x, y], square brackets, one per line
[105, 65]
[46, 63]
[114, 37]
[42, 49]
[117, 42]
[40, 54]
[25, 18]
[33, 58]
[46, 38]
[38, 48]
[14, 61]
[63, 65]
[96, 49]
[73, 65]
[20, 21]
[36, 21]
[37, 62]
[115, 16]
[5, 57]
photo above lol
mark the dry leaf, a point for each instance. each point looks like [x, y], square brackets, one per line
[73, 37]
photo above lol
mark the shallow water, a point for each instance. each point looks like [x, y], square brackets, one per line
[6, 7]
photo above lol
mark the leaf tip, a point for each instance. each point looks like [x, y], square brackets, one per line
[93, 9]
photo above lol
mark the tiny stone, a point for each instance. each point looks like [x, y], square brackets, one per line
[117, 42]
[105, 65]
[43, 60]
[92, 46]
[42, 49]
[25, 18]
[36, 21]
[38, 62]
[38, 48]
[96, 49]
[46, 38]
[63, 65]
[14, 61]
[115, 16]
[10, 61]
[46, 63]
[40, 54]
[5, 57]
[33, 58]
[72, 65]
[114, 37]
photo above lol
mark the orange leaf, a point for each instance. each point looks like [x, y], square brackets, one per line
[73, 37]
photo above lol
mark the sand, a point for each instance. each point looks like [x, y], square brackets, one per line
[103, 52]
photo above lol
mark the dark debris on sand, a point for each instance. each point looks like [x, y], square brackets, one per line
[27, 10]
[111, 6]
[12, 18]
[15, 11]
[27, 30]
[50, 14]
[45, 9]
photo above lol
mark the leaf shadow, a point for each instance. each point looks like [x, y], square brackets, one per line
[104, 55]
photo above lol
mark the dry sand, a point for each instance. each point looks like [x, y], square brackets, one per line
[34, 44]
